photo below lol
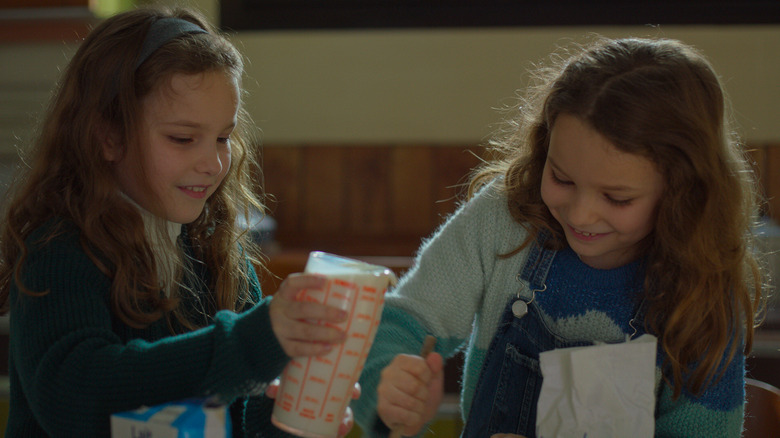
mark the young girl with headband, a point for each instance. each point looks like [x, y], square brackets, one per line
[127, 278]
[620, 204]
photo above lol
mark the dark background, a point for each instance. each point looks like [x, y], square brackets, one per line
[352, 14]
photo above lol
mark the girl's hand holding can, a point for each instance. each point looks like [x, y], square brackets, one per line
[304, 328]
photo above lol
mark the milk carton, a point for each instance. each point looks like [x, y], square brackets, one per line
[191, 418]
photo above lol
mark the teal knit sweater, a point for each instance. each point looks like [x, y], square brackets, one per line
[73, 363]
[458, 289]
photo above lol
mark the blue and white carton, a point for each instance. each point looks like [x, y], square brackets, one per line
[190, 418]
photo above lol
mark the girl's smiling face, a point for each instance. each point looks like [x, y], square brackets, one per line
[186, 140]
[605, 199]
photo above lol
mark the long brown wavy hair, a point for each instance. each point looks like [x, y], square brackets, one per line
[67, 177]
[662, 100]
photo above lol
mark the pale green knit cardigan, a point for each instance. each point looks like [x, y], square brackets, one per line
[457, 291]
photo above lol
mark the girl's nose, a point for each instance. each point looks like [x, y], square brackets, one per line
[211, 161]
[582, 211]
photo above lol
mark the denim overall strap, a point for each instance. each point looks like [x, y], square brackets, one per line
[538, 263]
[510, 381]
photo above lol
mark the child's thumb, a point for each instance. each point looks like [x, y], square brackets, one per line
[435, 363]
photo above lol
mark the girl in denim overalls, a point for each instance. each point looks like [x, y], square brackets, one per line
[619, 204]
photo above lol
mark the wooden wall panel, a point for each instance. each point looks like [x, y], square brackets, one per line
[771, 180]
[324, 200]
[65, 21]
[759, 164]
[368, 190]
[758, 158]
[368, 201]
[412, 182]
[282, 174]
[383, 200]
[453, 166]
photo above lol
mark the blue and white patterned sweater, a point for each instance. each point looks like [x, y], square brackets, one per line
[458, 289]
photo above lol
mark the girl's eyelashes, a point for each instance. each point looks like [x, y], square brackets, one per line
[188, 140]
[618, 202]
[610, 199]
[558, 180]
[180, 140]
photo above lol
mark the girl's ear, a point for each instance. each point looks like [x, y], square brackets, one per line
[112, 151]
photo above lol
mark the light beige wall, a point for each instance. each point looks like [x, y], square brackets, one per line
[444, 85]
[419, 85]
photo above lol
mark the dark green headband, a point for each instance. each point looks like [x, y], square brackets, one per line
[162, 31]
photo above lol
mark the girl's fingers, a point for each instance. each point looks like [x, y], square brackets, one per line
[408, 372]
[414, 402]
[294, 283]
[409, 392]
[301, 338]
[306, 349]
[346, 423]
[273, 388]
[300, 309]
[410, 364]
[305, 331]
[409, 395]
[398, 406]
[435, 363]
[399, 418]
[304, 327]
[315, 311]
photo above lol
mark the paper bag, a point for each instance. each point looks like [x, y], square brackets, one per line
[604, 390]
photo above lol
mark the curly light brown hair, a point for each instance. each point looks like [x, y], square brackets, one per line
[67, 177]
[659, 99]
